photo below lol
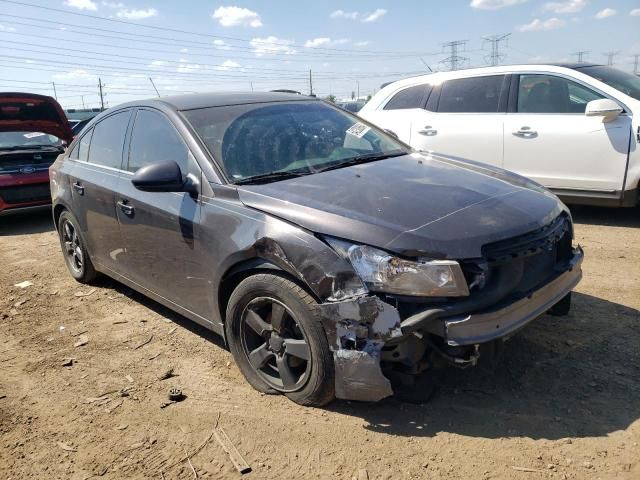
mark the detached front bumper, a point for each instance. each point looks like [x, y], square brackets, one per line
[357, 330]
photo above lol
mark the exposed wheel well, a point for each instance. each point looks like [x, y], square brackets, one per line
[239, 272]
[57, 211]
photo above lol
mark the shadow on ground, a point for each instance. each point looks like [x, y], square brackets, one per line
[612, 217]
[26, 223]
[571, 376]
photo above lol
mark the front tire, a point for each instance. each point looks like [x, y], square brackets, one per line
[73, 248]
[277, 342]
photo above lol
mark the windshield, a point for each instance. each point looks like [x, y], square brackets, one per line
[625, 82]
[275, 141]
[20, 140]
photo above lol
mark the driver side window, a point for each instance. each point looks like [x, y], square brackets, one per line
[155, 140]
[551, 94]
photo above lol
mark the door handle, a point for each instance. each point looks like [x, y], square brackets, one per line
[428, 131]
[526, 132]
[78, 188]
[125, 207]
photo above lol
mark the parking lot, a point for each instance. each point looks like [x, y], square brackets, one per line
[563, 403]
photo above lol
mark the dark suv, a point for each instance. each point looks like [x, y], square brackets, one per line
[33, 132]
[333, 259]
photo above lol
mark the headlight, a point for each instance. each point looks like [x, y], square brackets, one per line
[383, 272]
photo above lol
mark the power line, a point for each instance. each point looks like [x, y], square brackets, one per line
[495, 56]
[207, 35]
[454, 60]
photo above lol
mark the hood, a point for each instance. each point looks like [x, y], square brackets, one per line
[29, 112]
[413, 205]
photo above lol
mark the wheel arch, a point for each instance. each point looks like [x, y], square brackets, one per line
[57, 211]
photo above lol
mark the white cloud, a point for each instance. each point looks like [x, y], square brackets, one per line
[228, 65]
[184, 50]
[325, 42]
[157, 63]
[537, 25]
[221, 45]
[237, 16]
[137, 14]
[6, 29]
[271, 45]
[362, 43]
[81, 4]
[113, 4]
[375, 15]
[570, 6]
[494, 4]
[635, 12]
[74, 74]
[343, 14]
[606, 13]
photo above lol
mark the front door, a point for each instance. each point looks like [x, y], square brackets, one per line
[549, 138]
[161, 229]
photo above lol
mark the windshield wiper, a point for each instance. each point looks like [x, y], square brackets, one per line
[369, 157]
[270, 176]
[31, 147]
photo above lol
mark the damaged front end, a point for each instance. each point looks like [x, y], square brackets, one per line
[376, 336]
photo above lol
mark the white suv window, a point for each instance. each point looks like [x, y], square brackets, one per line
[412, 97]
[471, 95]
[551, 94]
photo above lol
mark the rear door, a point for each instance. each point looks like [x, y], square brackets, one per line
[468, 121]
[548, 137]
[161, 229]
[93, 181]
[403, 107]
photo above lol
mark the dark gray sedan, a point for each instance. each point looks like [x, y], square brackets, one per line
[335, 261]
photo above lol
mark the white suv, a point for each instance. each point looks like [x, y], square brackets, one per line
[572, 128]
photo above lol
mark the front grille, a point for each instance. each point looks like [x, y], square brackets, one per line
[533, 243]
[26, 193]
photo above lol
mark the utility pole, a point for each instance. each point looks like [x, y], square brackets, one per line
[100, 85]
[495, 56]
[581, 54]
[154, 87]
[82, 97]
[610, 56]
[454, 60]
[358, 89]
[251, 86]
[310, 84]
[55, 94]
[636, 64]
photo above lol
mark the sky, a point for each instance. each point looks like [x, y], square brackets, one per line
[144, 48]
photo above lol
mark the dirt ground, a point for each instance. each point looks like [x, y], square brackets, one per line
[563, 403]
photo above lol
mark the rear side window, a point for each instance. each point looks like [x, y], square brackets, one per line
[412, 97]
[107, 142]
[154, 140]
[471, 95]
[83, 146]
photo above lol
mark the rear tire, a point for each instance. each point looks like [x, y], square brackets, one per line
[74, 250]
[277, 342]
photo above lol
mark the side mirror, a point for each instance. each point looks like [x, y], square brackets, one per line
[605, 108]
[159, 177]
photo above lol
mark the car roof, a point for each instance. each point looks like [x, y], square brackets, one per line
[221, 99]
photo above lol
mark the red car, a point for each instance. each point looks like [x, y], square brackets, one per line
[34, 130]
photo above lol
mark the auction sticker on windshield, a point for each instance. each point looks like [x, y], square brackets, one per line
[34, 134]
[358, 130]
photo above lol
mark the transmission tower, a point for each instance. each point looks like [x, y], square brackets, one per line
[610, 56]
[496, 57]
[454, 60]
[636, 64]
[581, 55]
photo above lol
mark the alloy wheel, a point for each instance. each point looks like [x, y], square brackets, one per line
[274, 344]
[72, 247]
